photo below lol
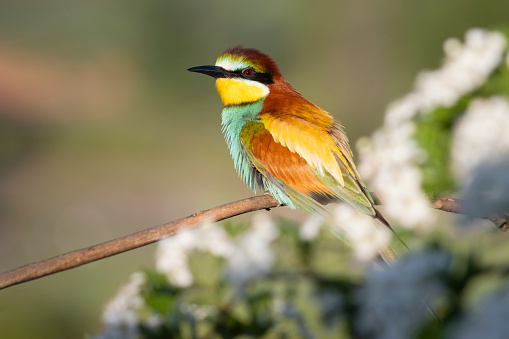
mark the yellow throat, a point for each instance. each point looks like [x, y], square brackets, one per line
[240, 91]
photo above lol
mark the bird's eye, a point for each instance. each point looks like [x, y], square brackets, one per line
[247, 72]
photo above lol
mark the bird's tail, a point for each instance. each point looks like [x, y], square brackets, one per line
[379, 217]
[387, 255]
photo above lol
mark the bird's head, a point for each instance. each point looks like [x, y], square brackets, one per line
[243, 75]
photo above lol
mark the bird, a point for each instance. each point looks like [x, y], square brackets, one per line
[282, 143]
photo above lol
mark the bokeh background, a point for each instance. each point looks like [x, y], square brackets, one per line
[104, 133]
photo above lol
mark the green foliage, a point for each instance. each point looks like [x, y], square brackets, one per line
[299, 300]
[158, 294]
[264, 281]
[434, 133]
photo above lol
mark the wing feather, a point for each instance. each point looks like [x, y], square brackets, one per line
[306, 184]
[303, 153]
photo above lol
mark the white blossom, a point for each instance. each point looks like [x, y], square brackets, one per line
[311, 227]
[465, 68]
[215, 240]
[252, 256]
[121, 314]
[390, 159]
[480, 134]
[488, 320]
[402, 110]
[403, 198]
[365, 238]
[389, 162]
[199, 312]
[393, 301]
[172, 257]
[247, 257]
[122, 309]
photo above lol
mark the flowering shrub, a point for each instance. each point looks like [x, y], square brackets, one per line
[421, 150]
[276, 279]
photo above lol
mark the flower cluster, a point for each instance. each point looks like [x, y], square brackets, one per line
[366, 239]
[252, 256]
[311, 227]
[247, 257]
[172, 257]
[465, 68]
[122, 314]
[391, 159]
[261, 294]
[481, 134]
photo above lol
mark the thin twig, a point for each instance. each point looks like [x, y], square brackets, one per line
[129, 242]
[457, 206]
[501, 220]
[84, 256]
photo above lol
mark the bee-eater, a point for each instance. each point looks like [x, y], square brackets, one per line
[281, 142]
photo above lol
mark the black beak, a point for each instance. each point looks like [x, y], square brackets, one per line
[213, 71]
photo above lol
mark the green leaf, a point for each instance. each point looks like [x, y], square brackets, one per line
[433, 134]
[158, 294]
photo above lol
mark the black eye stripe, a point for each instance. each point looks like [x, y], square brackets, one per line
[264, 78]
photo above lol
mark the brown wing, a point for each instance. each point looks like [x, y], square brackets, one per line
[280, 162]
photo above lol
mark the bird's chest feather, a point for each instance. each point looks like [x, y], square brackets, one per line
[234, 120]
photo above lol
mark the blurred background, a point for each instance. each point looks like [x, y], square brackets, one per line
[103, 132]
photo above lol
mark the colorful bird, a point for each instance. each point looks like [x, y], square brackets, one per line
[281, 142]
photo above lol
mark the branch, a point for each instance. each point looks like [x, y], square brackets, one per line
[129, 242]
[500, 220]
[453, 205]
[84, 256]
